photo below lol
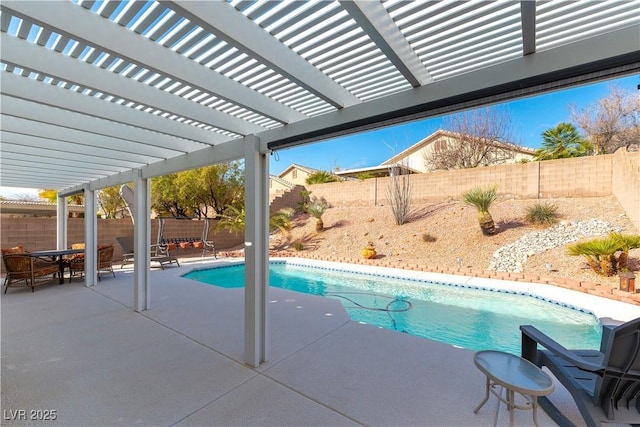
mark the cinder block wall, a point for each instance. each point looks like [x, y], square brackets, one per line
[626, 183]
[576, 177]
[39, 233]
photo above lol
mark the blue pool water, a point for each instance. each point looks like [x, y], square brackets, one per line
[471, 318]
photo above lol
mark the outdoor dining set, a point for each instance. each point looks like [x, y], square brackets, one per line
[30, 269]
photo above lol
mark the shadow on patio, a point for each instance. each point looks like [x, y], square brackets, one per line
[83, 353]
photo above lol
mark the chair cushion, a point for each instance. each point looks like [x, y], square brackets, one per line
[15, 250]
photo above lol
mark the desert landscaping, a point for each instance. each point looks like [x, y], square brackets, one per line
[459, 241]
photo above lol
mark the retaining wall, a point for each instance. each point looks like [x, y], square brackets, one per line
[595, 176]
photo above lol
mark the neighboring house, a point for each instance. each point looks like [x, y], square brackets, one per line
[18, 208]
[279, 185]
[413, 159]
[415, 156]
[289, 178]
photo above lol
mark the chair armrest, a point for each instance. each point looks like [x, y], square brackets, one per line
[532, 336]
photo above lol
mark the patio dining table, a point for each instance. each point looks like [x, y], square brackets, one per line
[57, 255]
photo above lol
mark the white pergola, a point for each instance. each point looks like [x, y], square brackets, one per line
[101, 93]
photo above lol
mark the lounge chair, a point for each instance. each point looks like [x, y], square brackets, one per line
[105, 262]
[23, 269]
[159, 253]
[605, 384]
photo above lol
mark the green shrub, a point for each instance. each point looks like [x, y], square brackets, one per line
[601, 253]
[542, 213]
[298, 246]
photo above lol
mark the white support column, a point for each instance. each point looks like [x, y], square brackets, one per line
[141, 242]
[62, 221]
[256, 316]
[90, 237]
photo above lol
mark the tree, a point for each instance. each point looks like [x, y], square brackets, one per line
[198, 191]
[562, 142]
[611, 122]
[478, 138]
[111, 203]
[321, 177]
[52, 196]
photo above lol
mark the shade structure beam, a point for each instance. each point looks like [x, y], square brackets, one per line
[39, 59]
[222, 20]
[85, 26]
[379, 26]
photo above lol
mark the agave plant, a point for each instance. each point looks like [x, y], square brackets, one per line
[482, 198]
[316, 208]
[601, 253]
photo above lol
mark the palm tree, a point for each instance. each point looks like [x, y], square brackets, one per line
[316, 208]
[321, 177]
[482, 198]
[562, 142]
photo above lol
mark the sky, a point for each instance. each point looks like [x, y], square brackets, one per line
[529, 118]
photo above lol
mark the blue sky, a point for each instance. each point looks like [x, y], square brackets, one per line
[529, 118]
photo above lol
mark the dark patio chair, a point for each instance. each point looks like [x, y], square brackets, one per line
[105, 263]
[23, 269]
[159, 253]
[605, 384]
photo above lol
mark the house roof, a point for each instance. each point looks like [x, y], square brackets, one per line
[281, 181]
[28, 207]
[441, 133]
[305, 169]
[99, 92]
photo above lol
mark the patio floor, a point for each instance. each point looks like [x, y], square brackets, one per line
[83, 353]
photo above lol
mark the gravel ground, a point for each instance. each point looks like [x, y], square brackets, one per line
[459, 241]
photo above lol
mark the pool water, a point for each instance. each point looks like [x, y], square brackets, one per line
[471, 318]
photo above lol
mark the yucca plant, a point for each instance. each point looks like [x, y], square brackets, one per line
[600, 253]
[482, 198]
[542, 213]
[316, 208]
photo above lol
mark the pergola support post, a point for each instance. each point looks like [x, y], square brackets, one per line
[90, 237]
[61, 226]
[141, 242]
[256, 340]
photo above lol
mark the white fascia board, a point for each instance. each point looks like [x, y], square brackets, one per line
[222, 20]
[220, 153]
[113, 180]
[144, 153]
[72, 120]
[374, 19]
[34, 57]
[416, 103]
[54, 96]
[83, 25]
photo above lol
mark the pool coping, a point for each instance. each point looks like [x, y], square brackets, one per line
[607, 311]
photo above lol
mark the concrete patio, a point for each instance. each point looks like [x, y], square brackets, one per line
[83, 353]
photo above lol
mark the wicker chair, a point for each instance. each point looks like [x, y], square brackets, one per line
[25, 270]
[105, 263]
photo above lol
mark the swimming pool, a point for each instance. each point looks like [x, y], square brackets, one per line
[468, 317]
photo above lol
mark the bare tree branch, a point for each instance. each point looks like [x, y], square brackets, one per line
[612, 122]
[477, 138]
